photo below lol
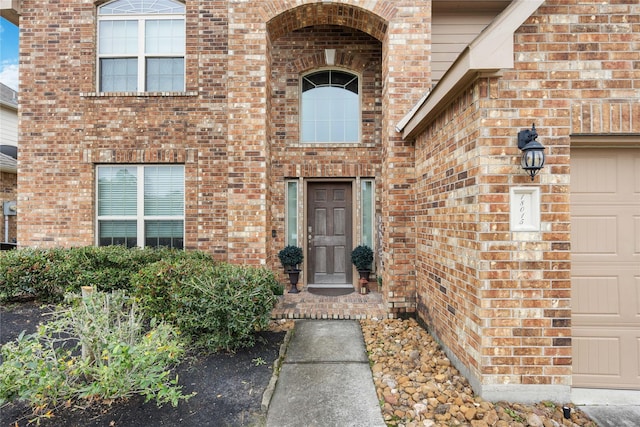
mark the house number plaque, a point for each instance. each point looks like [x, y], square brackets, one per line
[525, 209]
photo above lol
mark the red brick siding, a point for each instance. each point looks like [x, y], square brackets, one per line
[500, 300]
[234, 153]
[65, 128]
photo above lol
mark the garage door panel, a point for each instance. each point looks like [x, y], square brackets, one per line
[592, 175]
[598, 296]
[600, 356]
[605, 246]
[606, 296]
[595, 234]
[601, 233]
[636, 236]
[636, 175]
[638, 361]
[636, 280]
[603, 357]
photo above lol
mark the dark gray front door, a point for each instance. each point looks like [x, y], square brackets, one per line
[329, 232]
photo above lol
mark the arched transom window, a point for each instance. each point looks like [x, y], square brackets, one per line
[141, 45]
[330, 107]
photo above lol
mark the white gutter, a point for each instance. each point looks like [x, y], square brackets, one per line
[491, 51]
[8, 164]
[8, 105]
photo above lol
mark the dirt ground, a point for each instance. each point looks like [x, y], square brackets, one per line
[229, 387]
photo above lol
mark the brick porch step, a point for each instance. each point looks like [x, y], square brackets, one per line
[305, 305]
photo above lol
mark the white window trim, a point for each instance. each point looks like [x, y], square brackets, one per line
[140, 216]
[142, 55]
[338, 143]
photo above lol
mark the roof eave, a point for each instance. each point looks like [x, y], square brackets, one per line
[10, 10]
[490, 52]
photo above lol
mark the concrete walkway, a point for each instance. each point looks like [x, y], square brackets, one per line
[325, 379]
[614, 416]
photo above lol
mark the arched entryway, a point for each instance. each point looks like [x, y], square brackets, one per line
[325, 126]
[386, 43]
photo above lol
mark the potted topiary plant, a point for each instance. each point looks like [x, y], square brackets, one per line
[362, 258]
[290, 257]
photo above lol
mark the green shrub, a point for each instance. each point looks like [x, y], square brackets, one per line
[108, 268]
[225, 307]
[30, 273]
[218, 305]
[45, 369]
[277, 288]
[47, 274]
[362, 257]
[157, 286]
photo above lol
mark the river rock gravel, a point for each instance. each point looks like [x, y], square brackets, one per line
[417, 385]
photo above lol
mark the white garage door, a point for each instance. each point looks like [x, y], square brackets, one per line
[605, 241]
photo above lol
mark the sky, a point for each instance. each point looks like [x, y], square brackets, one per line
[8, 54]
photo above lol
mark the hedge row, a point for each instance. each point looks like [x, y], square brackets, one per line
[47, 274]
[216, 305]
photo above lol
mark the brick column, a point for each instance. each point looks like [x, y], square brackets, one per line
[406, 72]
[247, 135]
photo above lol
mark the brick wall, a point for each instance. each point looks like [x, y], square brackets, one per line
[66, 128]
[500, 300]
[448, 221]
[406, 50]
[235, 127]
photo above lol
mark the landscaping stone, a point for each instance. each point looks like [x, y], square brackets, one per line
[420, 387]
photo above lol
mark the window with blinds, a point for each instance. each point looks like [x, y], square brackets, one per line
[141, 46]
[141, 205]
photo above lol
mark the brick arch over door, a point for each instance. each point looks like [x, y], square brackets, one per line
[342, 59]
[287, 17]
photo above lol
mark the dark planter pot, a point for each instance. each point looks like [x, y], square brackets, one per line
[294, 276]
[364, 274]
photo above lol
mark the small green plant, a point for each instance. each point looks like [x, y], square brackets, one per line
[290, 257]
[514, 415]
[277, 289]
[258, 361]
[362, 257]
[95, 348]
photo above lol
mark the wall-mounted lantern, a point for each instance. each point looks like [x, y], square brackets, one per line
[532, 151]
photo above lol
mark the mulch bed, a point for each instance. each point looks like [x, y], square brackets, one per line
[229, 387]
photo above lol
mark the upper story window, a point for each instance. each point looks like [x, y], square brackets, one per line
[330, 108]
[141, 45]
